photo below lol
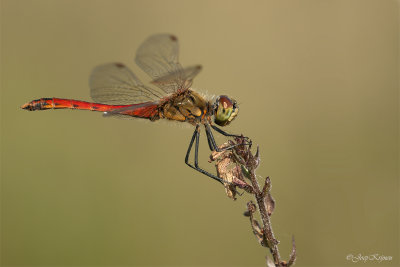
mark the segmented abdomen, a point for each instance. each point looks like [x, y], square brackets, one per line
[60, 103]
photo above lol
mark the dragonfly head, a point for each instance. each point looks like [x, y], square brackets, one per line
[225, 110]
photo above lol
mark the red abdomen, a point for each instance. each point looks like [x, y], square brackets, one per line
[147, 110]
[59, 103]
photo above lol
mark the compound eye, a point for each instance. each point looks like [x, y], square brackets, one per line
[225, 110]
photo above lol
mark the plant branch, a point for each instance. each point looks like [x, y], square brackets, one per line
[235, 166]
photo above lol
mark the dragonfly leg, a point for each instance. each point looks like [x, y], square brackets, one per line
[211, 140]
[190, 145]
[223, 132]
[196, 137]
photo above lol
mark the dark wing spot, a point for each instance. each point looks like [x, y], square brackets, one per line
[76, 106]
[95, 108]
[119, 65]
[173, 38]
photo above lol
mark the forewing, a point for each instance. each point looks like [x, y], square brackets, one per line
[158, 57]
[114, 83]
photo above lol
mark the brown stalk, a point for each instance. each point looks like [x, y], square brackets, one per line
[237, 167]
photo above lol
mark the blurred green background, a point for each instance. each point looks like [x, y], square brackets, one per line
[317, 85]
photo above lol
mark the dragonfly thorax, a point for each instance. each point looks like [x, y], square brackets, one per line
[187, 106]
[225, 110]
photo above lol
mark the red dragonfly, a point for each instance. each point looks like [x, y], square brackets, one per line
[121, 93]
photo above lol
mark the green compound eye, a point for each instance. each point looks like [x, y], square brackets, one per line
[225, 110]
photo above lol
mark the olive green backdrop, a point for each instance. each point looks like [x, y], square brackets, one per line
[317, 85]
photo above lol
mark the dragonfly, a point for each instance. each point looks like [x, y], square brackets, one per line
[117, 92]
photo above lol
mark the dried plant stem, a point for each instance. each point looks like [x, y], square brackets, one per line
[267, 229]
[234, 166]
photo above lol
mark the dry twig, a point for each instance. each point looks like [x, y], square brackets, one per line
[237, 167]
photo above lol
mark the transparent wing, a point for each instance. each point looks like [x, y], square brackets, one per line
[182, 79]
[114, 83]
[158, 57]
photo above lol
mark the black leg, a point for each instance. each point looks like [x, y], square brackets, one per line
[249, 143]
[191, 144]
[223, 132]
[196, 135]
[209, 140]
[196, 150]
